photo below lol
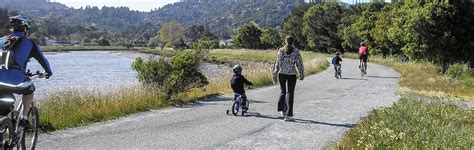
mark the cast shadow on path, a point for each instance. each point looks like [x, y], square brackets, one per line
[383, 77]
[345, 78]
[298, 120]
[211, 100]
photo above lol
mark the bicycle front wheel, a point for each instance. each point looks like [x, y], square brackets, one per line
[29, 138]
[235, 108]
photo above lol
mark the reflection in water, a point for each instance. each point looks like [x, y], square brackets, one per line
[91, 71]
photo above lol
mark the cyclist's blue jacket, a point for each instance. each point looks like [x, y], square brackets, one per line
[22, 52]
[336, 60]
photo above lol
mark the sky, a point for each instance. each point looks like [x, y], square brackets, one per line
[141, 5]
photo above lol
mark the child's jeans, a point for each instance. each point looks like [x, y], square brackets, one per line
[335, 66]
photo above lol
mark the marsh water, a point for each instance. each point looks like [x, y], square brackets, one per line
[94, 71]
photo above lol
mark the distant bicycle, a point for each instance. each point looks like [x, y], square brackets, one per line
[12, 135]
[238, 106]
[363, 69]
[338, 72]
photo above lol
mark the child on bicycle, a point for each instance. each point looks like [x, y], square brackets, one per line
[336, 61]
[238, 82]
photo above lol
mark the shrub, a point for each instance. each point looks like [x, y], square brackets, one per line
[459, 71]
[172, 77]
[205, 43]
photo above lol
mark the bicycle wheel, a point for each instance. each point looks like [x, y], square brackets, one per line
[30, 138]
[6, 133]
[235, 108]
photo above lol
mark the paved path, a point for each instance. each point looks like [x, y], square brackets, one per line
[325, 107]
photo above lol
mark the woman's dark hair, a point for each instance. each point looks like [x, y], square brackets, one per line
[289, 44]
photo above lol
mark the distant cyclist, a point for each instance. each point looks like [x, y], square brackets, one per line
[363, 56]
[336, 61]
[238, 82]
[23, 49]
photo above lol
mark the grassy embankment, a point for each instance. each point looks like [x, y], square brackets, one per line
[67, 109]
[415, 122]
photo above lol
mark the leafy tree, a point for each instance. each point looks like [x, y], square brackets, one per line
[366, 23]
[103, 42]
[270, 38]
[248, 36]
[293, 26]
[172, 34]
[380, 35]
[321, 23]
[430, 34]
[350, 41]
[154, 41]
[205, 44]
[196, 32]
[85, 40]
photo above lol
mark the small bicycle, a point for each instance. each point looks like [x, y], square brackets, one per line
[238, 105]
[338, 72]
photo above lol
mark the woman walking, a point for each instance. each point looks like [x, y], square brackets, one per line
[285, 70]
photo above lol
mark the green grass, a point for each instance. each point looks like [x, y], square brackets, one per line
[417, 124]
[425, 79]
[83, 48]
[413, 124]
[73, 108]
[235, 55]
[166, 52]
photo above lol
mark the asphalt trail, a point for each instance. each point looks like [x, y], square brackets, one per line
[325, 107]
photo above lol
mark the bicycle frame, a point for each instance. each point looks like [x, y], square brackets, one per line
[14, 113]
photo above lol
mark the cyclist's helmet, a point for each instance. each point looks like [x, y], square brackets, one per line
[362, 44]
[337, 53]
[237, 68]
[20, 21]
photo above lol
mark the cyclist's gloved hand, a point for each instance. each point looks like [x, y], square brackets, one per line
[48, 74]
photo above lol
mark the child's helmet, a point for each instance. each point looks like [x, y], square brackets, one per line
[237, 68]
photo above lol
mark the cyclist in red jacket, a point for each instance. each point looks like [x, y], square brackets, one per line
[363, 55]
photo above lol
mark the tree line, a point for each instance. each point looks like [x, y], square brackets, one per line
[437, 32]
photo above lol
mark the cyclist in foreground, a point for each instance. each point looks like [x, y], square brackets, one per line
[363, 56]
[13, 69]
[238, 82]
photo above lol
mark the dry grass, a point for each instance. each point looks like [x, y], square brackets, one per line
[72, 108]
